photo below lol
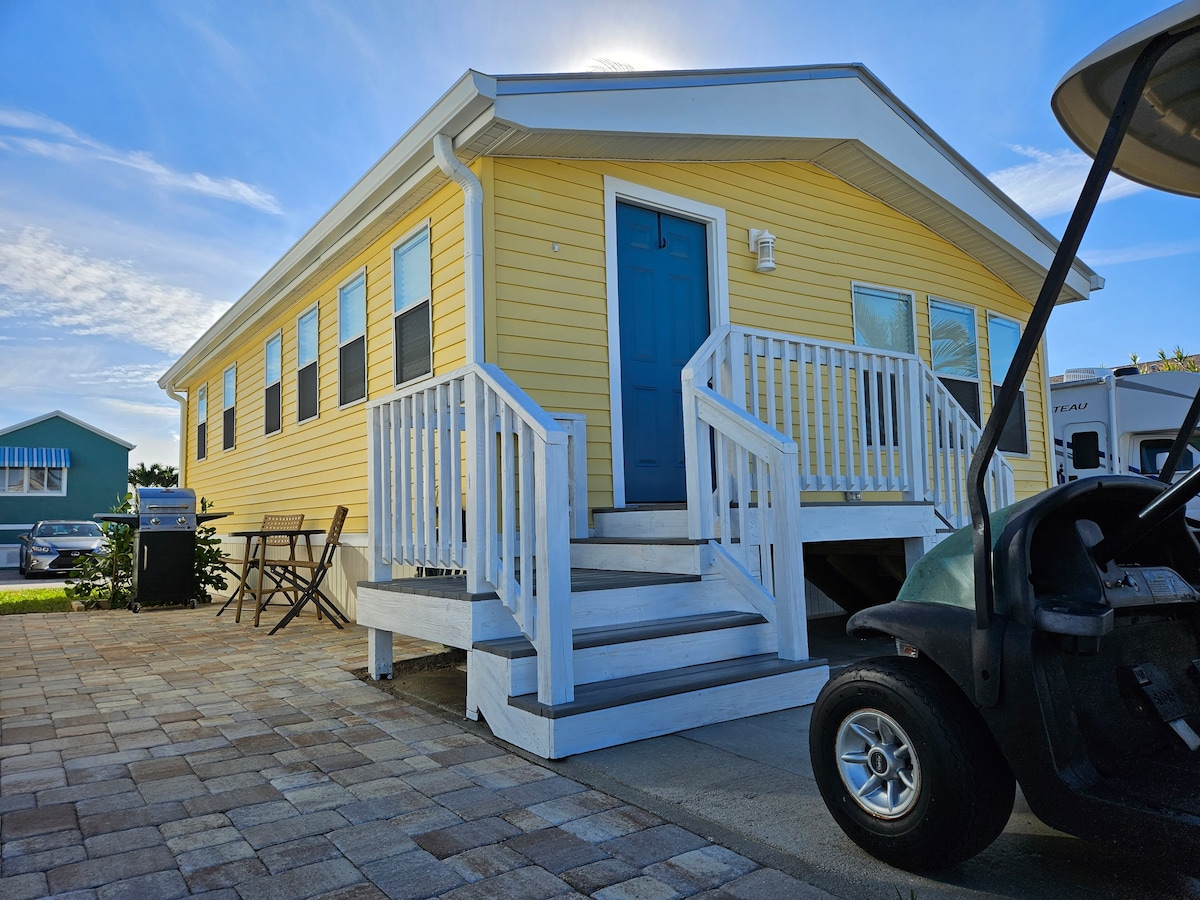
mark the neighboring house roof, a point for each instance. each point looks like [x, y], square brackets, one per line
[74, 421]
[838, 117]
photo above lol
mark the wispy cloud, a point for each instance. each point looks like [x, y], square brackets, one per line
[168, 409]
[1051, 182]
[1141, 252]
[41, 278]
[42, 136]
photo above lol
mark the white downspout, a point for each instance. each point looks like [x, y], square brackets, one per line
[1114, 440]
[443, 152]
[182, 401]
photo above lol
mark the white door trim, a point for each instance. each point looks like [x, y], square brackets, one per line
[713, 218]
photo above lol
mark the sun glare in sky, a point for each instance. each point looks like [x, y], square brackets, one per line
[621, 59]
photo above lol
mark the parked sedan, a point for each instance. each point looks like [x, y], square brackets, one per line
[56, 547]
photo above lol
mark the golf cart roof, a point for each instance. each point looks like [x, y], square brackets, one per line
[1162, 147]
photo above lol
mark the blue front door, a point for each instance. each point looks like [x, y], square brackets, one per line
[662, 286]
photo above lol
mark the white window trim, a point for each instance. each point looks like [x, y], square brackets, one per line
[361, 271]
[314, 310]
[912, 311]
[226, 406]
[425, 226]
[26, 493]
[1013, 454]
[933, 300]
[278, 335]
[202, 392]
[713, 218]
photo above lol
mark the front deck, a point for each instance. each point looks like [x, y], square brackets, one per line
[657, 619]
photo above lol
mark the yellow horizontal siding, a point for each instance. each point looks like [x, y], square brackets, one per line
[313, 466]
[829, 235]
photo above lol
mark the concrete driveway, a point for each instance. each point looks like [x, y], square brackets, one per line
[171, 753]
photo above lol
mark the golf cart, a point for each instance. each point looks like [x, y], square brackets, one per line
[1054, 643]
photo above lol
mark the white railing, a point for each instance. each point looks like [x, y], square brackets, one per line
[863, 420]
[760, 554]
[475, 433]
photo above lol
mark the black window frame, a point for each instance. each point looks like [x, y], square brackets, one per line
[273, 390]
[412, 317]
[228, 410]
[352, 350]
[308, 400]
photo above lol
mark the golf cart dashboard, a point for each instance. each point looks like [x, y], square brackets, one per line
[1069, 592]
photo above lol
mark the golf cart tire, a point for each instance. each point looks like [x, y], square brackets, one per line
[957, 790]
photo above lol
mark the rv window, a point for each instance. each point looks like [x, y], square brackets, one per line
[1086, 450]
[1154, 454]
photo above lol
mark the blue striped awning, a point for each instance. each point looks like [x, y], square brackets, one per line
[18, 457]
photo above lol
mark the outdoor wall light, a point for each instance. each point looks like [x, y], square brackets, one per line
[762, 242]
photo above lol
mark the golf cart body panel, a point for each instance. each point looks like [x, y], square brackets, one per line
[1092, 754]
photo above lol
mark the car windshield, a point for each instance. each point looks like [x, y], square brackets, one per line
[69, 529]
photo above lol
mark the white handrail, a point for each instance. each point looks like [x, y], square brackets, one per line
[760, 553]
[474, 428]
[864, 420]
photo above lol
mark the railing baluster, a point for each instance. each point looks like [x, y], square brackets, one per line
[529, 528]
[508, 515]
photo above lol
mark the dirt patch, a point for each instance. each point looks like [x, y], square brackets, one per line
[439, 679]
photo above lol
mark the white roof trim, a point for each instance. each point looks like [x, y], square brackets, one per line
[59, 414]
[839, 117]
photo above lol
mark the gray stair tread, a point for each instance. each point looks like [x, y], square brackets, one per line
[640, 507]
[642, 541]
[454, 587]
[639, 688]
[606, 635]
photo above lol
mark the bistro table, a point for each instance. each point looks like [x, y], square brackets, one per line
[251, 560]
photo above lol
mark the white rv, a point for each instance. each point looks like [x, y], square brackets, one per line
[1121, 422]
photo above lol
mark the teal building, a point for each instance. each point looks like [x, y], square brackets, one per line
[56, 467]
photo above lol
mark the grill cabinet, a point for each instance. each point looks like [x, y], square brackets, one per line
[164, 547]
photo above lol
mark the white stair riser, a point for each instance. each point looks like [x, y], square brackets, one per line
[557, 738]
[455, 623]
[611, 661]
[630, 606]
[641, 523]
[678, 559]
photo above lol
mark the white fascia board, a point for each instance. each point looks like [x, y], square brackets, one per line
[59, 414]
[412, 155]
[841, 105]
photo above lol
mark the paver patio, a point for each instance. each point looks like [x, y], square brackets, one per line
[172, 753]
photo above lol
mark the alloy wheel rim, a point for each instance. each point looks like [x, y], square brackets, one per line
[877, 764]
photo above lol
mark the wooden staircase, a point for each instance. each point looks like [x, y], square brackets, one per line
[660, 643]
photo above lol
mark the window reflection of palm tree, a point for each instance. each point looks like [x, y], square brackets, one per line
[953, 350]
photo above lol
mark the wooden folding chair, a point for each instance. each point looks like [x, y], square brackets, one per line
[239, 566]
[306, 576]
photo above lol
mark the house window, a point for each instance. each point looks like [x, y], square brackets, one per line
[955, 353]
[31, 470]
[411, 321]
[1003, 337]
[272, 396]
[306, 366]
[202, 422]
[228, 419]
[883, 319]
[352, 340]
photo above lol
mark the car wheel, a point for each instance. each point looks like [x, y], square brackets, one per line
[906, 765]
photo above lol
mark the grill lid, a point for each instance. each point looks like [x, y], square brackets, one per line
[166, 509]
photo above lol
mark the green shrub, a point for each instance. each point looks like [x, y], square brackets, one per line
[108, 573]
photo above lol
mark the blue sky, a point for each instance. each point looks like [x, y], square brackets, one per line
[157, 158]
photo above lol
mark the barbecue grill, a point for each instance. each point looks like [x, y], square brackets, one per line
[164, 545]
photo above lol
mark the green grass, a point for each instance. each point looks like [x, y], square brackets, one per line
[33, 600]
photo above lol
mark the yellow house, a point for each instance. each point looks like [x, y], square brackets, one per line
[621, 375]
